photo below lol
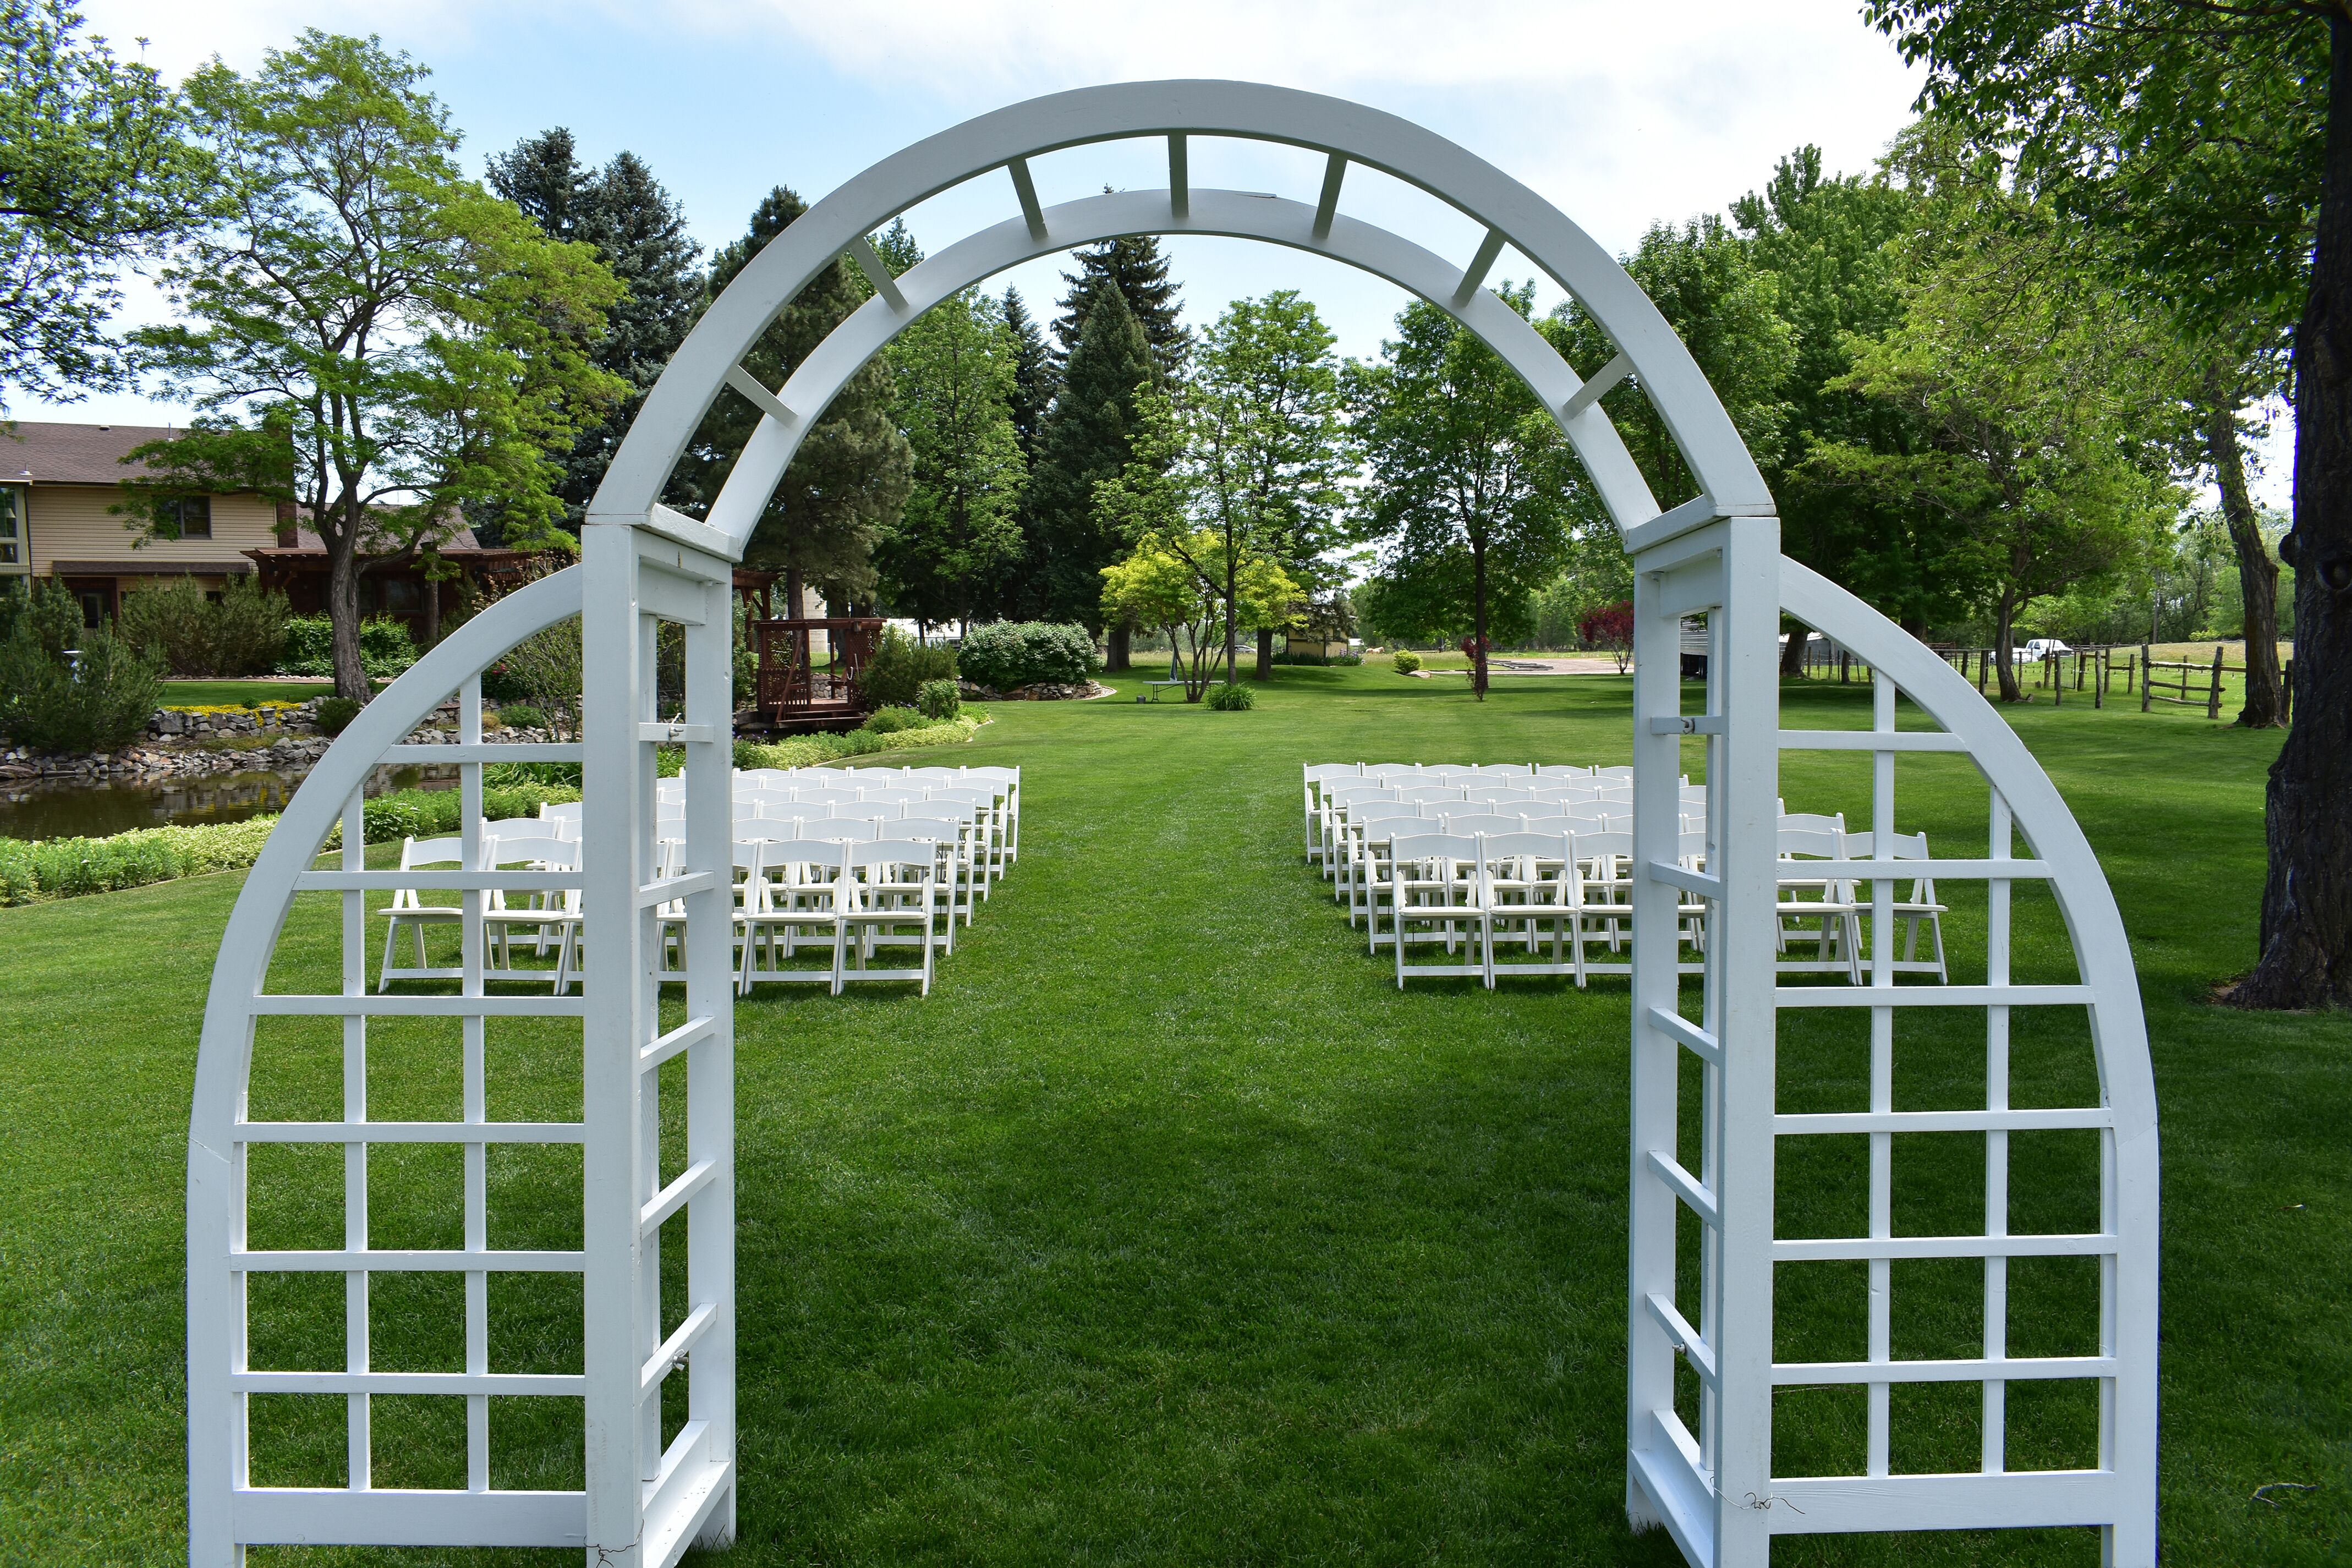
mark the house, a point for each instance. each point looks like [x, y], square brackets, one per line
[59, 486]
[295, 563]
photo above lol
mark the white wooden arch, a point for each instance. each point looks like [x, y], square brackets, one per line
[649, 1491]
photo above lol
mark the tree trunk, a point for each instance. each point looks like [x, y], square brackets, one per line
[2004, 630]
[1792, 652]
[1233, 626]
[431, 613]
[2257, 574]
[792, 611]
[2307, 936]
[1266, 653]
[1478, 622]
[1120, 654]
[344, 616]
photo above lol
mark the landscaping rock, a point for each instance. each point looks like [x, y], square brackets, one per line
[1042, 691]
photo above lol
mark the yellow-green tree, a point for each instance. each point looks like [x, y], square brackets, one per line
[1178, 583]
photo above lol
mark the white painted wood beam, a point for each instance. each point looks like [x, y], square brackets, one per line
[870, 261]
[766, 402]
[1179, 178]
[1327, 205]
[1585, 397]
[1476, 273]
[1026, 189]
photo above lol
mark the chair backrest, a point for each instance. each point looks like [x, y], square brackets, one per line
[895, 795]
[960, 796]
[868, 811]
[1425, 847]
[1612, 841]
[1458, 773]
[1486, 823]
[1516, 846]
[923, 818]
[1562, 771]
[449, 850]
[1316, 773]
[1347, 795]
[1862, 845]
[825, 795]
[1431, 792]
[1551, 821]
[1506, 770]
[1808, 843]
[798, 854]
[836, 830]
[932, 775]
[1593, 810]
[526, 838]
[895, 852]
[1812, 822]
[1496, 789]
[1373, 811]
[1690, 843]
[756, 829]
[1390, 770]
[562, 811]
[1622, 770]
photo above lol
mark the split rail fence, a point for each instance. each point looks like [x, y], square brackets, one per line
[2096, 671]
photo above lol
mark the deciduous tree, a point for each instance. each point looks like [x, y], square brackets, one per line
[955, 368]
[374, 335]
[98, 170]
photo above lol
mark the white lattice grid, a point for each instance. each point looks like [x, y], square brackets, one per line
[1716, 1489]
[226, 1512]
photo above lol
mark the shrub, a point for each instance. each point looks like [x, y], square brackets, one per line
[335, 714]
[522, 716]
[385, 647]
[169, 622]
[900, 668]
[96, 701]
[890, 721]
[1008, 653]
[807, 750]
[938, 700]
[1233, 698]
[1407, 661]
[44, 609]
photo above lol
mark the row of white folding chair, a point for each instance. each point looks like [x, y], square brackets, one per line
[1342, 794]
[1603, 848]
[1319, 778]
[1485, 890]
[1004, 782]
[861, 896]
[995, 790]
[1836, 907]
[523, 846]
[954, 826]
[1361, 872]
[981, 806]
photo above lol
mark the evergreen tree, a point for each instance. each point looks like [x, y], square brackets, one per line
[1088, 437]
[639, 233]
[1033, 373]
[849, 480]
[1136, 269]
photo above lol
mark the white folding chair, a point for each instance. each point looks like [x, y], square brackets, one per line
[409, 912]
[1436, 895]
[1826, 902]
[1528, 880]
[958, 831]
[1601, 898]
[1910, 912]
[890, 897]
[795, 893]
[565, 815]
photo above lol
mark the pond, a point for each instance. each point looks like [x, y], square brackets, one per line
[80, 809]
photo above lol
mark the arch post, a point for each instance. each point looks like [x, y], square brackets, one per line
[652, 1489]
[1704, 1482]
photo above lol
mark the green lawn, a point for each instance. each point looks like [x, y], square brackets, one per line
[1167, 1230]
[228, 693]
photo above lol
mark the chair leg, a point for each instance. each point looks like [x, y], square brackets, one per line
[390, 939]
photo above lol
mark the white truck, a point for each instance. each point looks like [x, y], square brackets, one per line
[2038, 649]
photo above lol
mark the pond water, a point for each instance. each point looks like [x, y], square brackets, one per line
[83, 810]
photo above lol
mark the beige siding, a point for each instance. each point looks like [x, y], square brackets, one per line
[71, 523]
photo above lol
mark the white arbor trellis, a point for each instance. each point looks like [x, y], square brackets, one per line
[653, 1487]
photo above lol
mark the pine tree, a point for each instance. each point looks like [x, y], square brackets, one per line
[955, 367]
[1088, 437]
[1033, 373]
[849, 480]
[639, 232]
[1136, 269]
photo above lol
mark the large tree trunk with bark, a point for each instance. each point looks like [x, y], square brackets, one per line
[2257, 573]
[1792, 650]
[344, 616]
[2004, 637]
[1478, 621]
[1265, 653]
[1119, 653]
[2306, 934]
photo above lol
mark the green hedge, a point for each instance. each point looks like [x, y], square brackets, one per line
[809, 750]
[68, 868]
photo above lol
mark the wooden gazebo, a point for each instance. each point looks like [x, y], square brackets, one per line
[809, 670]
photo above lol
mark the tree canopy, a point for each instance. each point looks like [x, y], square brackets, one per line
[1088, 437]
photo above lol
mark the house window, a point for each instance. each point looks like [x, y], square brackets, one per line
[184, 517]
[12, 528]
[93, 608]
[400, 597]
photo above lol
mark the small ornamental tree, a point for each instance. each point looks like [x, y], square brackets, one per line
[1183, 595]
[1610, 628]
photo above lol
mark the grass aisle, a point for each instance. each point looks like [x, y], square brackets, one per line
[1167, 1230]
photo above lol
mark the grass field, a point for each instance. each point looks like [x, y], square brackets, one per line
[1167, 1230]
[227, 693]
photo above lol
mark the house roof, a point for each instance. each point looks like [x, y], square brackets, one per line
[42, 452]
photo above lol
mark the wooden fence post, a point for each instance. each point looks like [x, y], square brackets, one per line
[2147, 677]
[2099, 685]
[1984, 669]
[2213, 703]
[2286, 695]
[2053, 675]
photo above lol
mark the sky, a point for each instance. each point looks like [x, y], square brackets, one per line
[1623, 116]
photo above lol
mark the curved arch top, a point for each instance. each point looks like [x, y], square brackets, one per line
[1694, 417]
